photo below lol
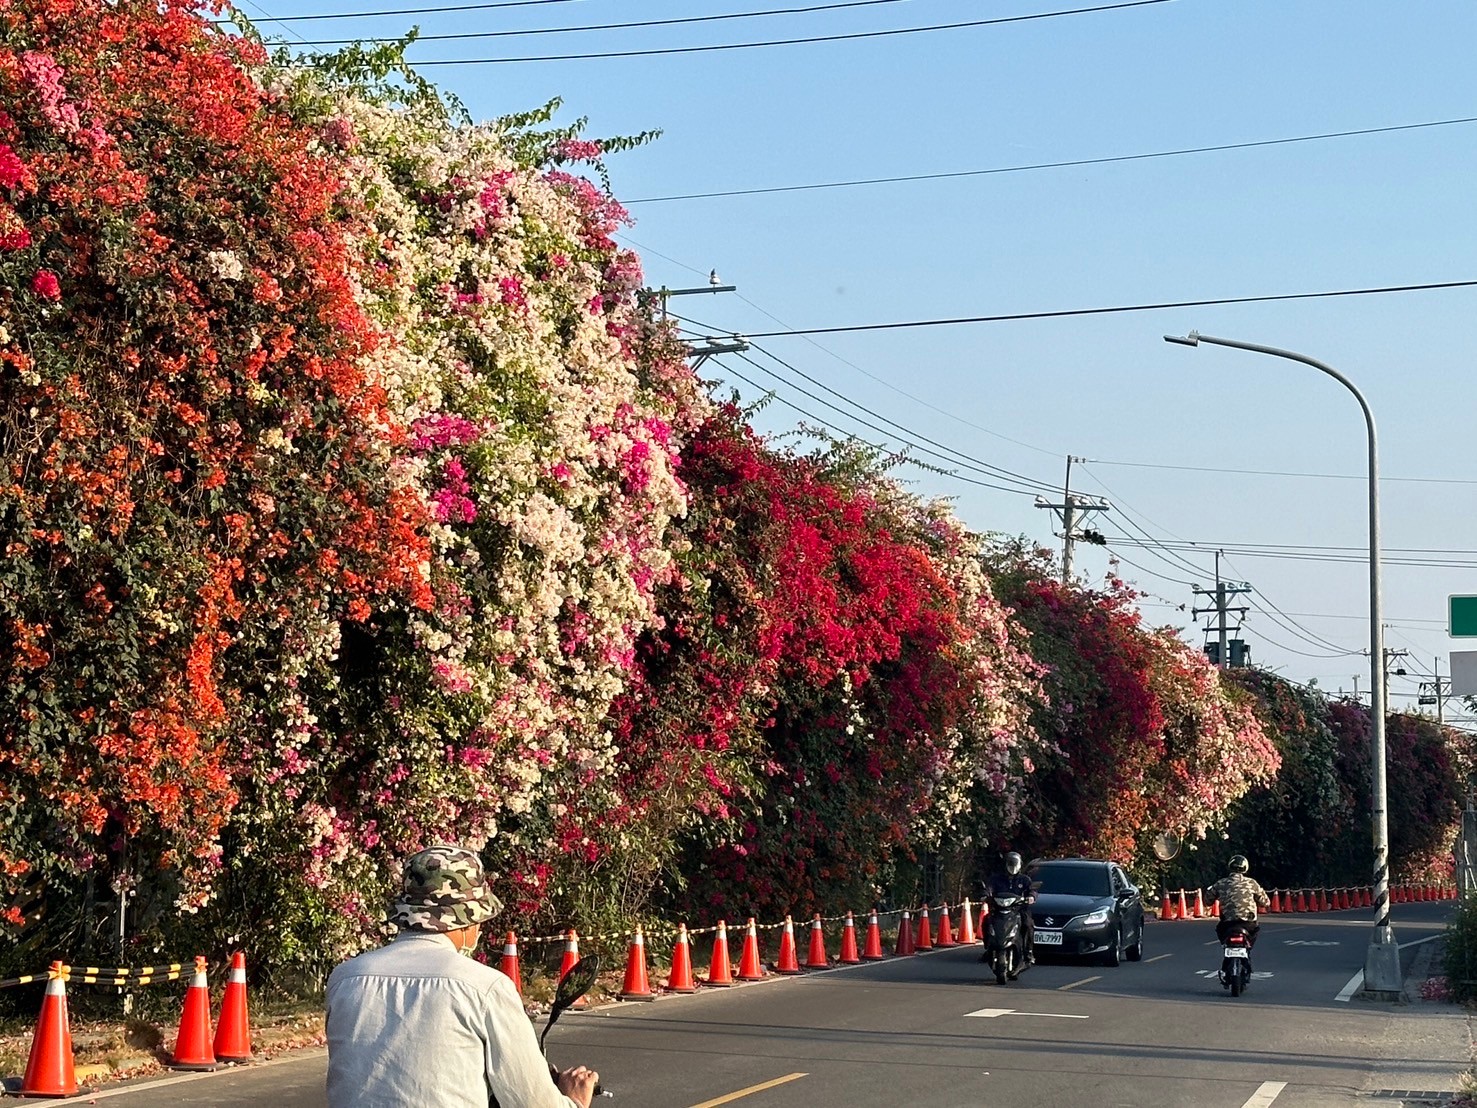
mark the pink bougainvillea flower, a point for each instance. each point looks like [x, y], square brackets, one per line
[46, 286]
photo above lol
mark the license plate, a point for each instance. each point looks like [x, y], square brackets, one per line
[1049, 938]
[1236, 952]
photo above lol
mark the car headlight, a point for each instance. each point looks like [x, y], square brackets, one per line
[1094, 919]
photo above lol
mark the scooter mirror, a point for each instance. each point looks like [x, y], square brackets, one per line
[573, 985]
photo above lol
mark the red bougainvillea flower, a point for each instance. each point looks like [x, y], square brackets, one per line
[46, 286]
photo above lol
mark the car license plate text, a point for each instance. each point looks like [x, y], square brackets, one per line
[1049, 938]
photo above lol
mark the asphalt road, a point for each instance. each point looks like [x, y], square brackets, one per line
[936, 1030]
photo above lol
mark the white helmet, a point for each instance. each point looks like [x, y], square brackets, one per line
[1012, 863]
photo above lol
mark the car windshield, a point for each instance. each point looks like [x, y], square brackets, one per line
[1071, 880]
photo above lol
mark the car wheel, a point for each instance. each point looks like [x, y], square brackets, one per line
[1115, 950]
[1135, 953]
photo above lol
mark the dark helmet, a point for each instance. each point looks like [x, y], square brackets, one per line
[1238, 864]
[1012, 863]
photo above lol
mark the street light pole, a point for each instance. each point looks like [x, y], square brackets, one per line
[1382, 977]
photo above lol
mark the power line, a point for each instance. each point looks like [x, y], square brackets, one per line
[1031, 483]
[846, 362]
[1118, 309]
[1330, 558]
[1075, 163]
[883, 431]
[416, 11]
[1286, 473]
[851, 37]
[621, 26]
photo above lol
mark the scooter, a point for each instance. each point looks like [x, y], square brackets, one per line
[1007, 941]
[1236, 963]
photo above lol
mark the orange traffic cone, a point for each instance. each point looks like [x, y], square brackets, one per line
[636, 986]
[680, 979]
[1302, 901]
[750, 967]
[568, 962]
[1323, 905]
[788, 961]
[872, 949]
[946, 933]
[966, 922]
[849, 956]
[984, 915]
[509, 964]
[817, 958]
[1276, 905]
[1366, 898]
[720, 973]
[192, 1050]
[905, 934]
[925, 929]
[49, 1069]
[1166, 910]
[233, 1033]
[1215, 909]
[1182, 908]
[1199, 904]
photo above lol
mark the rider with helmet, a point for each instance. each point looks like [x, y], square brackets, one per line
[1239, 897]
[1015, 883]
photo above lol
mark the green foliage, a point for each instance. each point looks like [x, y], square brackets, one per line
[1461, 950]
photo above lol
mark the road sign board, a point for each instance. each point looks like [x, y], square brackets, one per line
[1463, 672]
[1461, 617]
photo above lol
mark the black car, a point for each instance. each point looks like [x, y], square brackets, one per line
[1086, 908]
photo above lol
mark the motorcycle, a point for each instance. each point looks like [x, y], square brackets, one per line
[1006, 948]
[1236, 962]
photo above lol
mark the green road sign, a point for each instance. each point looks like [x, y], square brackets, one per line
[1461, 617]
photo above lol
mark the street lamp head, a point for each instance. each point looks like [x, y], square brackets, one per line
[1192, 339]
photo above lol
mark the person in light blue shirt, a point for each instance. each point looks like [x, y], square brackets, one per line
[417, 1024]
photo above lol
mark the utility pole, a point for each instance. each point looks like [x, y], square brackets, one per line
[1435, 691]
[708, 346]
[1069, 510]
[1392, 655]
[1222, 592]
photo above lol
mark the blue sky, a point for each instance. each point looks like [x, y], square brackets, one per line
[1374, 210]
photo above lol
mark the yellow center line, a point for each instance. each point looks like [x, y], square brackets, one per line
[1084, 981]
[750, 1090]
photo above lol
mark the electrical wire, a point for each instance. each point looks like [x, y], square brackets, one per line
[1120, 309]
[853, 365]
[324, 16]
[1032, 483]
[1287, 473]
[899, 456]
[849, 37]
[1074, 163]
[1287, 622]
[883, 431]
[1304, 653]
[914, 438]
[621, 26]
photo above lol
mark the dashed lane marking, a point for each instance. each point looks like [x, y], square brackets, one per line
[1075, 984]
[1267, 1093]
[1157, 958]
[750, 1090]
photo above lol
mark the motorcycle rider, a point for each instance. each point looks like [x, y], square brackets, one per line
[1240, 897]
[1012, 882]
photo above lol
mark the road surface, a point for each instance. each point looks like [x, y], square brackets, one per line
[935, 1030]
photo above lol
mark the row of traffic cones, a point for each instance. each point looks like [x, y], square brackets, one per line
[721, 973]
[1307, 900]
[50, 1071]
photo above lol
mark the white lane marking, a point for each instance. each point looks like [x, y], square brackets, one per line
[1157, 958]
[1265, 1095]
[995, 1013]
[1307, 942]
[1355, 984]
[1084, 981]
[1417, 942]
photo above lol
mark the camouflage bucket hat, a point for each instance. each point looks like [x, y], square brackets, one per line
[444, 888]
